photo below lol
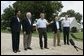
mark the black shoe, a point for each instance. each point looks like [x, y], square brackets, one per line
[67, 43]
[41, 48]
[18, 50]
[58, 45]
[64, 43]
[25, 49]
[29, 48]
[15, 51]
[46, 48]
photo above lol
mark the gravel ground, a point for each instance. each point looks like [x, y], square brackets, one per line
[6, 47]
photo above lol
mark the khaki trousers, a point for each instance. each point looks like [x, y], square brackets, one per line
[56, 37]
[27, 40]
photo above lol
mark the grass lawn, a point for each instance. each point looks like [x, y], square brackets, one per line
[79, 35]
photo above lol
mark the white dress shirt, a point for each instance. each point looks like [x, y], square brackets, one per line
[66, 23]
[41, 23]
[29, 21]
[57, 24]
[18, 19]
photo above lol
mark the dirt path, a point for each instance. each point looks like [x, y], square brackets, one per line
[6, 47]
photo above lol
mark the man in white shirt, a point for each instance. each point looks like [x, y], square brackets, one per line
[41, 25]
[66, 29]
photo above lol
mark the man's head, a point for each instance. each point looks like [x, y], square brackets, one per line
[66, 16]
[17, 12]
[28, 15]
[56, 18]
[42, 15]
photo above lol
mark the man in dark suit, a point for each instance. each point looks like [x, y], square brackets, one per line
[56, 27]
[15, 30]
[27, 31]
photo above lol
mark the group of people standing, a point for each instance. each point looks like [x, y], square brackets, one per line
[41, 26]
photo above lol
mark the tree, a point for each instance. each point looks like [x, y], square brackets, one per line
[35, 7]
[63, 14]
[5, 18]
[78, 17]
[72, 13]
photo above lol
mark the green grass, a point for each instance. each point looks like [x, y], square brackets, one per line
[5, 31]
[49, 34]
[79, 35]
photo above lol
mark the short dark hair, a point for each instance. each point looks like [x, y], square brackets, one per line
[16, 11]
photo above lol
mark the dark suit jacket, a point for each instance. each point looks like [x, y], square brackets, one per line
[54, 26]
[26, 25]
[15, 25]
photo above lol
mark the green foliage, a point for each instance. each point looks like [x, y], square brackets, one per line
[35, 7]
[72, 13]
[73, 29]
[5, 18]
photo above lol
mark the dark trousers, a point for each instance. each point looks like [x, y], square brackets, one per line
[66, 34]
[15, 40]
[42, 33]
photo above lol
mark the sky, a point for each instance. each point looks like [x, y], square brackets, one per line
[77, 6]
[5, 4]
